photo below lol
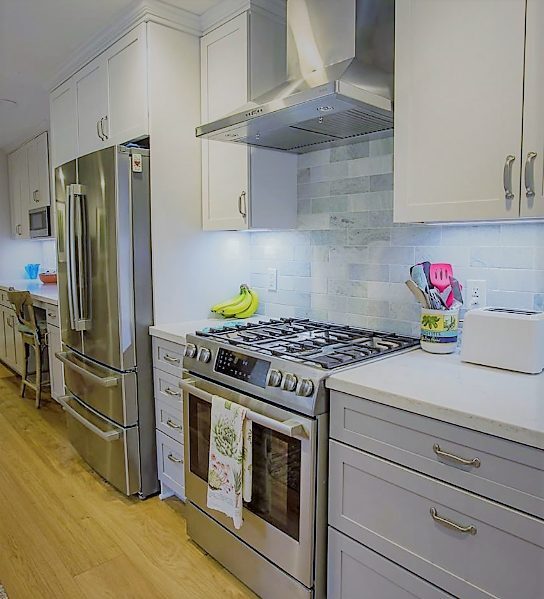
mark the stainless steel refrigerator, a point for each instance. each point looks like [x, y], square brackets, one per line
[106, 307]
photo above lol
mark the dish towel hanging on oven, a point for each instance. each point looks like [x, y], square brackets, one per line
[229, 472]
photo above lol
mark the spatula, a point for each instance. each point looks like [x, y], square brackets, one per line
[441, 275]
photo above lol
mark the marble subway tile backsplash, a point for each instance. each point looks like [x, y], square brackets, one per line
[348, 261]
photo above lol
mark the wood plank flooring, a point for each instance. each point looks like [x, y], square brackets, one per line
[65, 533]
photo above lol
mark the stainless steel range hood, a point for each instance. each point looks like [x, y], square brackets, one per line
[339, 85]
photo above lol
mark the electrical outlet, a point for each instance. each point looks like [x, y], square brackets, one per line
[476, 294]
[272, 279]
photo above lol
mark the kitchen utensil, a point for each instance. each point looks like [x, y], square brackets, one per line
[456, 289]
[421, 276]
[419, 294]
[32, 270]
[440, 275]
[503, 338]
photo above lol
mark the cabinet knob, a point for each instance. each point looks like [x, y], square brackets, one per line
[530, 175]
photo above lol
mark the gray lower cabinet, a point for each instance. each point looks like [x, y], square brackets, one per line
[398, 488]
[356, 572]
[167, 372]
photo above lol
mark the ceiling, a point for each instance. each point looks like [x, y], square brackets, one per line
[36, 39]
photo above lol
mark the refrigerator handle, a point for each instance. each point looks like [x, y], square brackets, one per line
[81, 240]
[70, 257]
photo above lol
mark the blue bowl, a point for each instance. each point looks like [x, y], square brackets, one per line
[32, 270]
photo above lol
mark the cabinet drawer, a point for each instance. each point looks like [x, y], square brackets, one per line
[356, 572]
[52, 313]
[388, 508]
[168, 356]
[507, 472]
[166, 387]
[169, 418]
[170, 463]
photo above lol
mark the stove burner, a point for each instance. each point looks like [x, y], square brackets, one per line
[319, 344]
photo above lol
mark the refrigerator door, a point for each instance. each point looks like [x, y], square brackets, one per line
[65, 180]
[108, 336]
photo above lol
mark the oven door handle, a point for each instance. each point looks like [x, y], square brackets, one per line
[289, 428]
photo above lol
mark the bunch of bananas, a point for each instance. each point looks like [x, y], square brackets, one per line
[244, 305]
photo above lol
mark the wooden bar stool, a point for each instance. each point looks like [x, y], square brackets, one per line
[34, 335]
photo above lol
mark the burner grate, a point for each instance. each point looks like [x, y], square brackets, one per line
[319, 344]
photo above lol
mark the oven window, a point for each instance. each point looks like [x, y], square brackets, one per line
[275, 495]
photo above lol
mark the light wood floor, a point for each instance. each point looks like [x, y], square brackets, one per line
[64, 533]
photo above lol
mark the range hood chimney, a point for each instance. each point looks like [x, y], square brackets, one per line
[339, 81]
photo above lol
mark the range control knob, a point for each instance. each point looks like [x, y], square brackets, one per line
[204, 355]
[289, 382]
[274, 378]
[190, 350]
[305, 388]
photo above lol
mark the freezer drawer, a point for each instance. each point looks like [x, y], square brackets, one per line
[112, 394]
[110, 450]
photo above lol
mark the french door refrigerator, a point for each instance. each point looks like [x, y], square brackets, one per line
[106, 307]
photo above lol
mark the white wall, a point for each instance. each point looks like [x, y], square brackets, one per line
[14, 254]
[192, 269]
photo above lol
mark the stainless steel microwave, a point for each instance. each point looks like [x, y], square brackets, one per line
[39, 222]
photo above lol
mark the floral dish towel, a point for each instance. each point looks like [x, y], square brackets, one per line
[229, 473]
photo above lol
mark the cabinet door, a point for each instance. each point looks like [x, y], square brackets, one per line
[458, 109]
[56, 371]
[126, 63]
[63, 114]
[225, 167]
[533, 116]
[14, 194]
[19, 193]
[38, 171]
[92, 106]
[2, 335]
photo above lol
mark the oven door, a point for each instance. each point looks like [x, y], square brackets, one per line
[279, 520]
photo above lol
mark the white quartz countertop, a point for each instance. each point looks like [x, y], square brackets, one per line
[177, 332]
[48, 294]
[498, 402]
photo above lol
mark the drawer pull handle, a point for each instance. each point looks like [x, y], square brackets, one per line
[173, 458]
[172, 392]
[475, 462]
[172, 424]
[171, 359]
[469, 530]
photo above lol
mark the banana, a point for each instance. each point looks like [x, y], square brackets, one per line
[241, 306]
[252, 308]
[234, 300]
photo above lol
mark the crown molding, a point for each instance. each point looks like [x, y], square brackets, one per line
[228, 9]
[156, 11]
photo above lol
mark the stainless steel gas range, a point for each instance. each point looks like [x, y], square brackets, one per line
[277, 369]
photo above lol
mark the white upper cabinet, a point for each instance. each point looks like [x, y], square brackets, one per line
[63, 117]
[126, 66]
[91, 85]
[104, 103]
[38, 172]
[459, 109]
[532, 188]
[28, 176]
[19, 193]
[242, 187]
